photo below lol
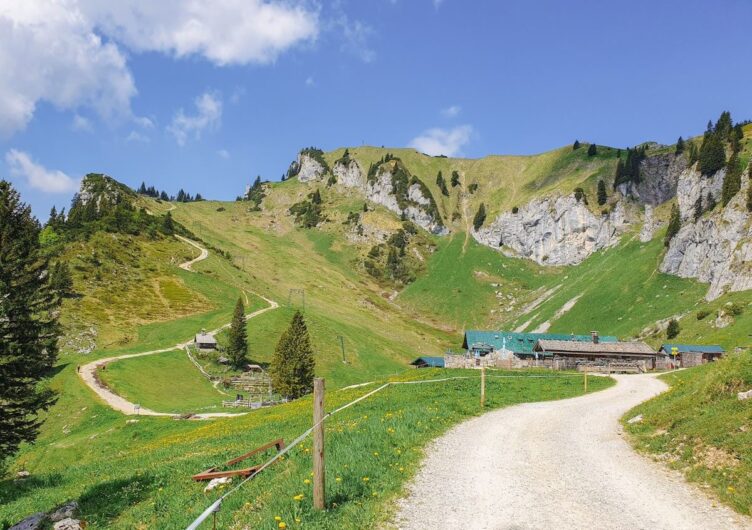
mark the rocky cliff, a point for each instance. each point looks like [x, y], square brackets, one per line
[659, 175]
[554, 230]
[717, 248]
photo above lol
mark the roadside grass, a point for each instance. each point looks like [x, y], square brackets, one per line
[137, 475]
[700, 428]
[164, 382]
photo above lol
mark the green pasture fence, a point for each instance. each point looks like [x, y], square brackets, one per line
[216, 505]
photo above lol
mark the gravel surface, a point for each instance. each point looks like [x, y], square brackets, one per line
[560, 464]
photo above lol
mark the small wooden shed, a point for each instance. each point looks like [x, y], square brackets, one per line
[205, 341]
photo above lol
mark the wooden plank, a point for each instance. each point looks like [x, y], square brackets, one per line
[213, 473]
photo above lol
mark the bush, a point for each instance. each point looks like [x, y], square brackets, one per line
[480, 217]
[673, 329]
[674, 224]
[702, 314]
[735, 309]
[515, 209]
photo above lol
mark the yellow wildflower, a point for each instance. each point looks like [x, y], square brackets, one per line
[282, 525]
[365, 479]
[306, 481]
[277, 518]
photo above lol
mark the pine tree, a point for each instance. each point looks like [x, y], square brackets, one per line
[61, 281]
[679, 146]
[168, 226]
[576, 145]
[698, 208]
[602, 196]
[455, 179]
[712, 155]
[619, 173]
[142, 188]
[441, 183]
[163, 196]
[292, 366]
[480, 217]
[672, 330]
[693, 153]
[28, 324]
[724, 126]
[592, 150]
[237, 347]
[732, 182]
[674, 224]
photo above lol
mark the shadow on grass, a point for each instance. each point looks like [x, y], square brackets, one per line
[14, 489]
[104, 502]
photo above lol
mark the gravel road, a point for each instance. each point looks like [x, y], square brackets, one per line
[560, 464]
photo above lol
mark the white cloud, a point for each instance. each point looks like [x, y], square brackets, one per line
[310, 81]
[136, 136]
[81, 124]
[451, 111]
[223, 153]
[144, 122]
[37, 176]
[70, 53]
[208, 117]
[439, 141]
[356, 36]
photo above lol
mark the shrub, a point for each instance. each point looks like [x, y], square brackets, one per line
[515, 209]
[480, 217]
[702, 314]
[735, 309]
[673, 329]
[674, 224]
[592, 150]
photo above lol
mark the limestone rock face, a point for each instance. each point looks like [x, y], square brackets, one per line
[308, 168]
[717, 249]
[649, 225]
[349, 175]
[554, 230]
[659, 175]
[693, 185]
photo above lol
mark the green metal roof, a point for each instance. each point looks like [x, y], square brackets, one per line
[433, 362]
[520, 343]
[697, 348]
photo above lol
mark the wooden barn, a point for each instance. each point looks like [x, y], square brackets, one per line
[205, 341]
[687, 355]
[595, 355]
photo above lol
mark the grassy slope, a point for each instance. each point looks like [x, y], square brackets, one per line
[701, 428]
[138, 475]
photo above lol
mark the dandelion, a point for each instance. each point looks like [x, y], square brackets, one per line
[298, 497]
[731, 489]
[282, 525]
[306, 481]
[365, 479]
[402, 468]
[338, 479]
[297, 519]
[375, 453]
[277, 518]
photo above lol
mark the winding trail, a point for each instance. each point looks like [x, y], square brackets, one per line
[558, 464]
[88, 371]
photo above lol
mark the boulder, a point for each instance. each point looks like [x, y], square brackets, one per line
[744, 395]
[69, 524]
[33, 522]
[66, 511]
[636, 419]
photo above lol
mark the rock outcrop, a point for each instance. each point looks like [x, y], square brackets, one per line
[349, 174]
[554, 230]
[308, 168]
[693, 185]
[659, 175]
[649, 225]
[717, 248]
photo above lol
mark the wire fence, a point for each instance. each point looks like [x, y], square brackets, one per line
[216, 505]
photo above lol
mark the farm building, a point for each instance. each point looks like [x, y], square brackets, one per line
[205, 341]
[428, 362]
[596, 355]
[687, 355]
[508, 349]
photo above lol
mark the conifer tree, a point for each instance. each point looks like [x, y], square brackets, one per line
[163, 196]
[237, 347]
[592, 150]
[28, 324]
[480, 217]
[710, 202]
[732, 182]
[576, 145]
[602, 196]
[168, 226]
[698, 208]
[455, 179]
[712, 156]
[316, 197]
[674, 224]
[672, 330]
[679, 146]
[693, 153]
[441, 183]
[61, 281]
[292, 366]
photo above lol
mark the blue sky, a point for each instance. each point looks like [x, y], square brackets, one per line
[206, 95]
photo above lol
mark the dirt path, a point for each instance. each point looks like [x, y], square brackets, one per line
[87, 372]
[560, 464]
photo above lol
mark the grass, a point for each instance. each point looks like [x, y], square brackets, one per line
[137, 475]
[701, 428]
[164, 382]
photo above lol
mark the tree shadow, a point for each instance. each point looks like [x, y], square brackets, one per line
[12, 489]
[52, 372]
[104, 502]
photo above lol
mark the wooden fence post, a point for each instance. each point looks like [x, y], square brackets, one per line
[483, 387]
[319, 469]
[585, 372]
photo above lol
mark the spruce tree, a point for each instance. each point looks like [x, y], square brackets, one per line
[455, 179]
[698, 208]
[679, 146]
[163, 196]
[693, 153]
[61, 281]
[292, 366]
[592, 150]
[237, 347]
[712, 155]
[602, 196]
[674, 224]
[28, 324]
[441, 183]
[619, 173]
[576, 145]
[480, 217]
[168, 226]
[672, 330]
[732, 182]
